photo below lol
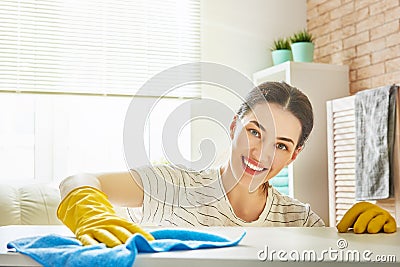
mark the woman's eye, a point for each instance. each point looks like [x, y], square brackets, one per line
[281, 146]
[254, 132]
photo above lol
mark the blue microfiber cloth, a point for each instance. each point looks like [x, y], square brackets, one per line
[55, 250]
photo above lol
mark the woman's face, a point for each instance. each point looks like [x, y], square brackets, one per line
[262, 145]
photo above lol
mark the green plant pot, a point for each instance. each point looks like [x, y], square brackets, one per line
[302, 51]
[280, 56]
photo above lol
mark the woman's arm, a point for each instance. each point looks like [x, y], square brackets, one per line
[122, 189]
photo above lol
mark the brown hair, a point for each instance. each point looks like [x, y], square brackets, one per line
[287, 96]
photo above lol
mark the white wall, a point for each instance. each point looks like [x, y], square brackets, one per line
[239, 34]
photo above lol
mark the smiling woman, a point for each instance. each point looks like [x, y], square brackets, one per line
[266, 155]
[275, 121]
[267, 133]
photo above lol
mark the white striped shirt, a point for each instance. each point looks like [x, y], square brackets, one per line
[178, 197]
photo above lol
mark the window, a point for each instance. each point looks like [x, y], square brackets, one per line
[46, 138]
[17, 138]
[94, 46]
[68, 70]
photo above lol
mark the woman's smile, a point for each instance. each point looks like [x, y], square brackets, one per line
[252, 167]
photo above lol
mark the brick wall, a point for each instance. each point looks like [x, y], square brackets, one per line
[363, 34]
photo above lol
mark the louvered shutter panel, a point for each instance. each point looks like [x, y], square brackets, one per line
[342, 158]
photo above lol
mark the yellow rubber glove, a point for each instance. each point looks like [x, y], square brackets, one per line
[88, 213]
[365, 216]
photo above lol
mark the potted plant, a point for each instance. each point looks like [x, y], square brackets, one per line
[281, 51]
[302, 44]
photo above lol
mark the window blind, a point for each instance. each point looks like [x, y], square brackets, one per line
[95, 46]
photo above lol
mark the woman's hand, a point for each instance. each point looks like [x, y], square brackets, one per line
[88, 213]
[367, 217]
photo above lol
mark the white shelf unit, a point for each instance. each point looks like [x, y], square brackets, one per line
[308, 174]
[342, 157]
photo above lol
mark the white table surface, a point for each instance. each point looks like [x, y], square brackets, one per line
[296, 241]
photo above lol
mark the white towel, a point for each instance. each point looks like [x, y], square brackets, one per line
[375, 124]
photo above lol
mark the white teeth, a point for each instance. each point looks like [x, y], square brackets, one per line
[251, 166]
